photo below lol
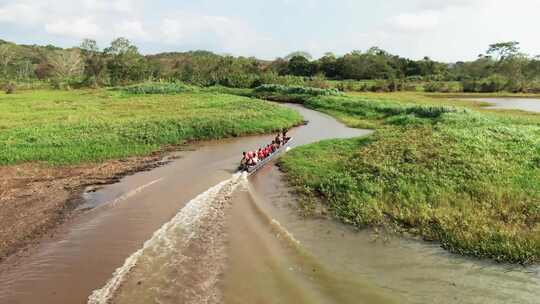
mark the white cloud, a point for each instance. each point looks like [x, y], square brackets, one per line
[445, 4]
[76, 27]
[105, 20]
[442, 29]
[21, 13]
[133, 29]
[420, 21]
[231, 34]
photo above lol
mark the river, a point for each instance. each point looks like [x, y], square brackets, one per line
[524, 104]
[193, 231]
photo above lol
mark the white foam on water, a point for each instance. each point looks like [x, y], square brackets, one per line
[282, 231]
[194, 210]
[122, 197]
[134, 192]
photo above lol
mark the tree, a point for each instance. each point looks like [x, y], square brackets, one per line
[369, 65]
[306, 55]
[532, 70]
[327, 65]
[94, 61]
[24, 69]
[121, 46]
[279, 66]
[7, 55]
[300, 66]
[124, 63]
[504, 50]
[67, 64]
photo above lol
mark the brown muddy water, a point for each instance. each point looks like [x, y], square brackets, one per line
[195, 232]
[523, 104]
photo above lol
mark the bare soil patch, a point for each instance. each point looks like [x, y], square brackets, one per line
[36, 198]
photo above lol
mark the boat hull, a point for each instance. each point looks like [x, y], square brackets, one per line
[276, 154]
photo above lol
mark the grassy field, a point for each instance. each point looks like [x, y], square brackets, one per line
[70, 127]
[436, 168]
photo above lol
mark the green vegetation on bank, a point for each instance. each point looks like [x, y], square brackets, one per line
[290, 93]
[69, 127]
[158, 88]
[295, 90]
[467, 179]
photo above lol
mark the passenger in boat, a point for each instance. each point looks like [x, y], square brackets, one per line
[260, 154]
[255, 157]
[278, 140]
[244, 161]
[253, 160]
[284, 135]
[273, 146]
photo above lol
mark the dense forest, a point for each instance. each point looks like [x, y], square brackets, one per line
[502, 68]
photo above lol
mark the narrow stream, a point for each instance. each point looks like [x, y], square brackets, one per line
[195, 232]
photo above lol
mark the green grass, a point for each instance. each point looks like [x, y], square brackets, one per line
[435, 168]
[295, 90]
[158, 88]
[70, 127]
[276, 92]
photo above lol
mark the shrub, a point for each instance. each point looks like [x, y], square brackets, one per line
[415, 78]
[443, 87]
[287, 80]
[433, 87]
[381, 86]
[533, 88]
[318, 81]
[9, 88]
[296, 90]
[410, 87]
[491, 84]
[158, 88]
[346, 85]
[469, 85]
[237, 80]
[494, 83]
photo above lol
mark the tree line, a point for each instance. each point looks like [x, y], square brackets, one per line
[504, 67]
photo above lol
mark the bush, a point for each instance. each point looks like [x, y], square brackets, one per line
[494, 83]
[287, 80]
[318, 81]
[348, 86]
[296, 90]
[381, 86]
[237, 80]
[410, 87]
[491, 84]
[9, 88]
[433, 87]
[443, 87]
[533, 88]
[158, 88]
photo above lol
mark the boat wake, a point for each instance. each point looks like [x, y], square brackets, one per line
[187, 254]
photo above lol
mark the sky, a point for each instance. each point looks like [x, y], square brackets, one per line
[445, 30]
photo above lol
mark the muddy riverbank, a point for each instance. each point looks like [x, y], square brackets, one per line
[35, 198]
